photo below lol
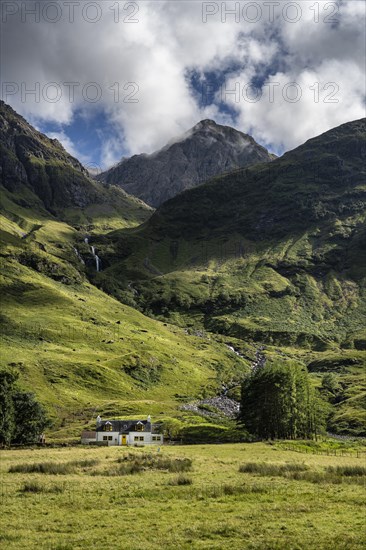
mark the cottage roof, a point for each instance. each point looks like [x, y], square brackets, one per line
[124, 426]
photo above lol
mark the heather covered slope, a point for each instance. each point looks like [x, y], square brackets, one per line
[208, 149]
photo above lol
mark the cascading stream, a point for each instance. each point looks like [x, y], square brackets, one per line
[95, 256]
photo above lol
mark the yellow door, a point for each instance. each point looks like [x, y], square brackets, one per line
[124, 442]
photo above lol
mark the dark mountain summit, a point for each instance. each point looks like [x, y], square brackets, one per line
[207, 150]
[42, 164]
[34, 165]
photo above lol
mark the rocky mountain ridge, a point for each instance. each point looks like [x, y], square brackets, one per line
[205, 151]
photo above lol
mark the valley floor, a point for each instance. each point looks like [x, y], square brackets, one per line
[213, 506]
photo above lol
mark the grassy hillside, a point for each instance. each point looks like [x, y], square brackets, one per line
[81, 350]
[269, 256]
[78, 348]
[273, 254]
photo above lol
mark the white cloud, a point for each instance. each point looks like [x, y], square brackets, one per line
[170, 40]
[303, 104]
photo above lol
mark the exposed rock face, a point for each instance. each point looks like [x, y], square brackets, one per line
[205, 151]
[224, 406]
[29, 157]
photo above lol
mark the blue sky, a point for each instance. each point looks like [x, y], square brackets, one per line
[87, 134]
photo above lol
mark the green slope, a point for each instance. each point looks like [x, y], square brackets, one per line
[272, 254]
[79, 349]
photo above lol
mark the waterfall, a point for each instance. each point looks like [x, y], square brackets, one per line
[96, 258]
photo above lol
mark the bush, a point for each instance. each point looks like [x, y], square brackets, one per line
[218, 491]
[32, 487]
[266, 469]
[130, 464]
[181, 480]
[301, 472]
[121, 470]
[53, 468]
[155, 462]
[348, 471]
[35, 487]
[86, 463]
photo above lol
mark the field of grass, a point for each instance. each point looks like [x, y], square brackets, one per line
[238, 496]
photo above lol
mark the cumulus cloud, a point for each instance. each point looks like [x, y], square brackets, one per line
[135, 65]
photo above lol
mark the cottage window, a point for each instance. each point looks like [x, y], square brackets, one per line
[154, 438]
[142, 438]
[105, 437]
[110, 438]
[139, 427]
[136, 438]
[158, 438]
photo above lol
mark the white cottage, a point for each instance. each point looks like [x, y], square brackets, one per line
[135, 433]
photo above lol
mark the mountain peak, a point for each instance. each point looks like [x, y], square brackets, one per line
[206, 123]
[205, 151]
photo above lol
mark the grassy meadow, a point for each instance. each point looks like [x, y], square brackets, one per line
[239, 496]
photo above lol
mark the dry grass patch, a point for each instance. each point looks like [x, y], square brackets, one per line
[52, 468]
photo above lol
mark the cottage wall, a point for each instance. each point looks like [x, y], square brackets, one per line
[144, 438]
[112, 437]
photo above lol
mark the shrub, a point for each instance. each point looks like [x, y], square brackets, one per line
[218, 491]
[181, 480]
[36, 487]
[148, 461]
[121, 470]
[52, 468]
[301, 472]
[86, 463]
[267, 469]
[349, 471]
[32, 487]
